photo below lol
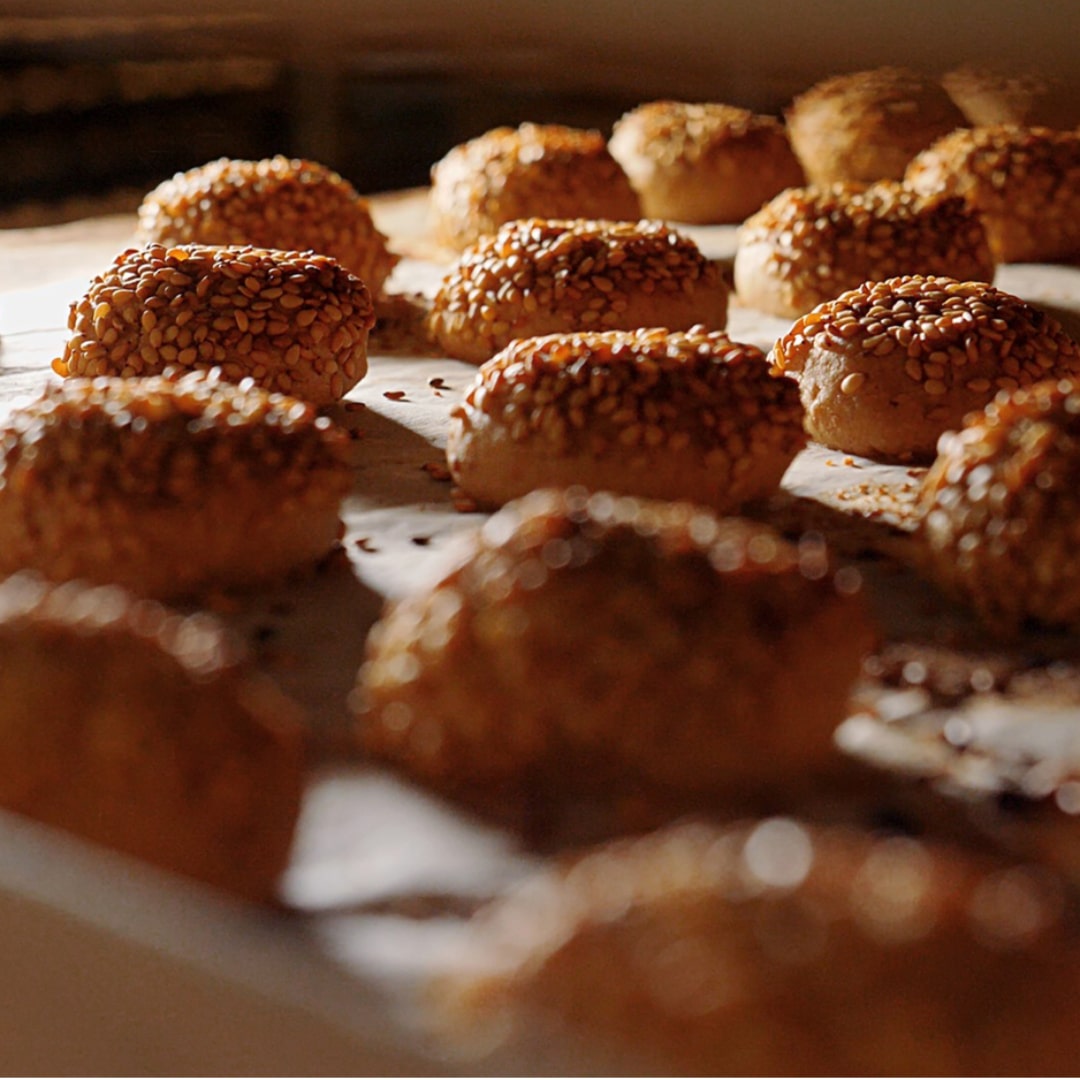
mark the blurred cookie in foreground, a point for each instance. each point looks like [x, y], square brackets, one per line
[532, 171]
[143, 730]
[168, 487]
[279, 202]
[1001, 510]
[1024, 182]
[291, 321]
[540, 277]
[690, 416]
[703, 163]
[810, 244]
[867, 125]
[886, 369]
[601, 646]
[776, 948]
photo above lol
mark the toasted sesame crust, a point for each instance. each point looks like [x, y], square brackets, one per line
[279, 202]
[703, 162]
[168, 487]
[884, 370]
[535, 170]
[604, 644]
[867, 125]
[1023, 182]
[810, 244]
[691, 416]
[294, 322]
[1001, 509]
[777, 948]
[539, 277]
[144, 730]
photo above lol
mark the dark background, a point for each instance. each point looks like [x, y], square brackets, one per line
[99, 102]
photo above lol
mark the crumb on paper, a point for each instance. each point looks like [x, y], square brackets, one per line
[421, 541]
[364, 544]
[396, 395]
[436, 470]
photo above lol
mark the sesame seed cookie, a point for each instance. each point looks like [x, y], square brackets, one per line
[1001, 509]
[867, 125]
[774, 948]
[704, 163]
[691, 416]
[810, 244]
[146, 731]
[293, 322]
[538, 277]
[1023, 182]
[601, 645]
[532, 171]
[279, 202]
[168, 487]
[886, 369]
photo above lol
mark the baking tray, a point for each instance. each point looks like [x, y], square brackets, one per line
[115, 967]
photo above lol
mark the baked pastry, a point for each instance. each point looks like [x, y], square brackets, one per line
[775, 948]
[293, 322]
[532, 171]
[886, 369]
[168, 487]
[279, 202]
[143, 730]
[553, 277]
[1001, 509]
[690, 416]
[986, 96]
[703, 163]
[1023, 182]
[591, 645]
[810, 244]
[868, 125]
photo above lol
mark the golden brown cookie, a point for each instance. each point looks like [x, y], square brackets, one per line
[532, 171]
[168, 487]
[808, 245]
[703, 162]
[279, 202]
[690, 416]
[293, 322]
[554, 277]
[597, 644]
[886, 369]
[143, 730]
[989, 96]
[1001, 509]
[776, 948]
[1023, 182]
[867, 125]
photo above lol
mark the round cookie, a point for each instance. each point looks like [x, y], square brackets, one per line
[598, 645]
[867, 125]
[1023, 182]
[1001, 509]
[986, 97]
[886, 369]
[773, 948]
[279, 202]
[294, 322]
[810, 244]
[145, 731]
[540, 277]
[168, 487]
[690, 416]
[532, 171]
[703, 163]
